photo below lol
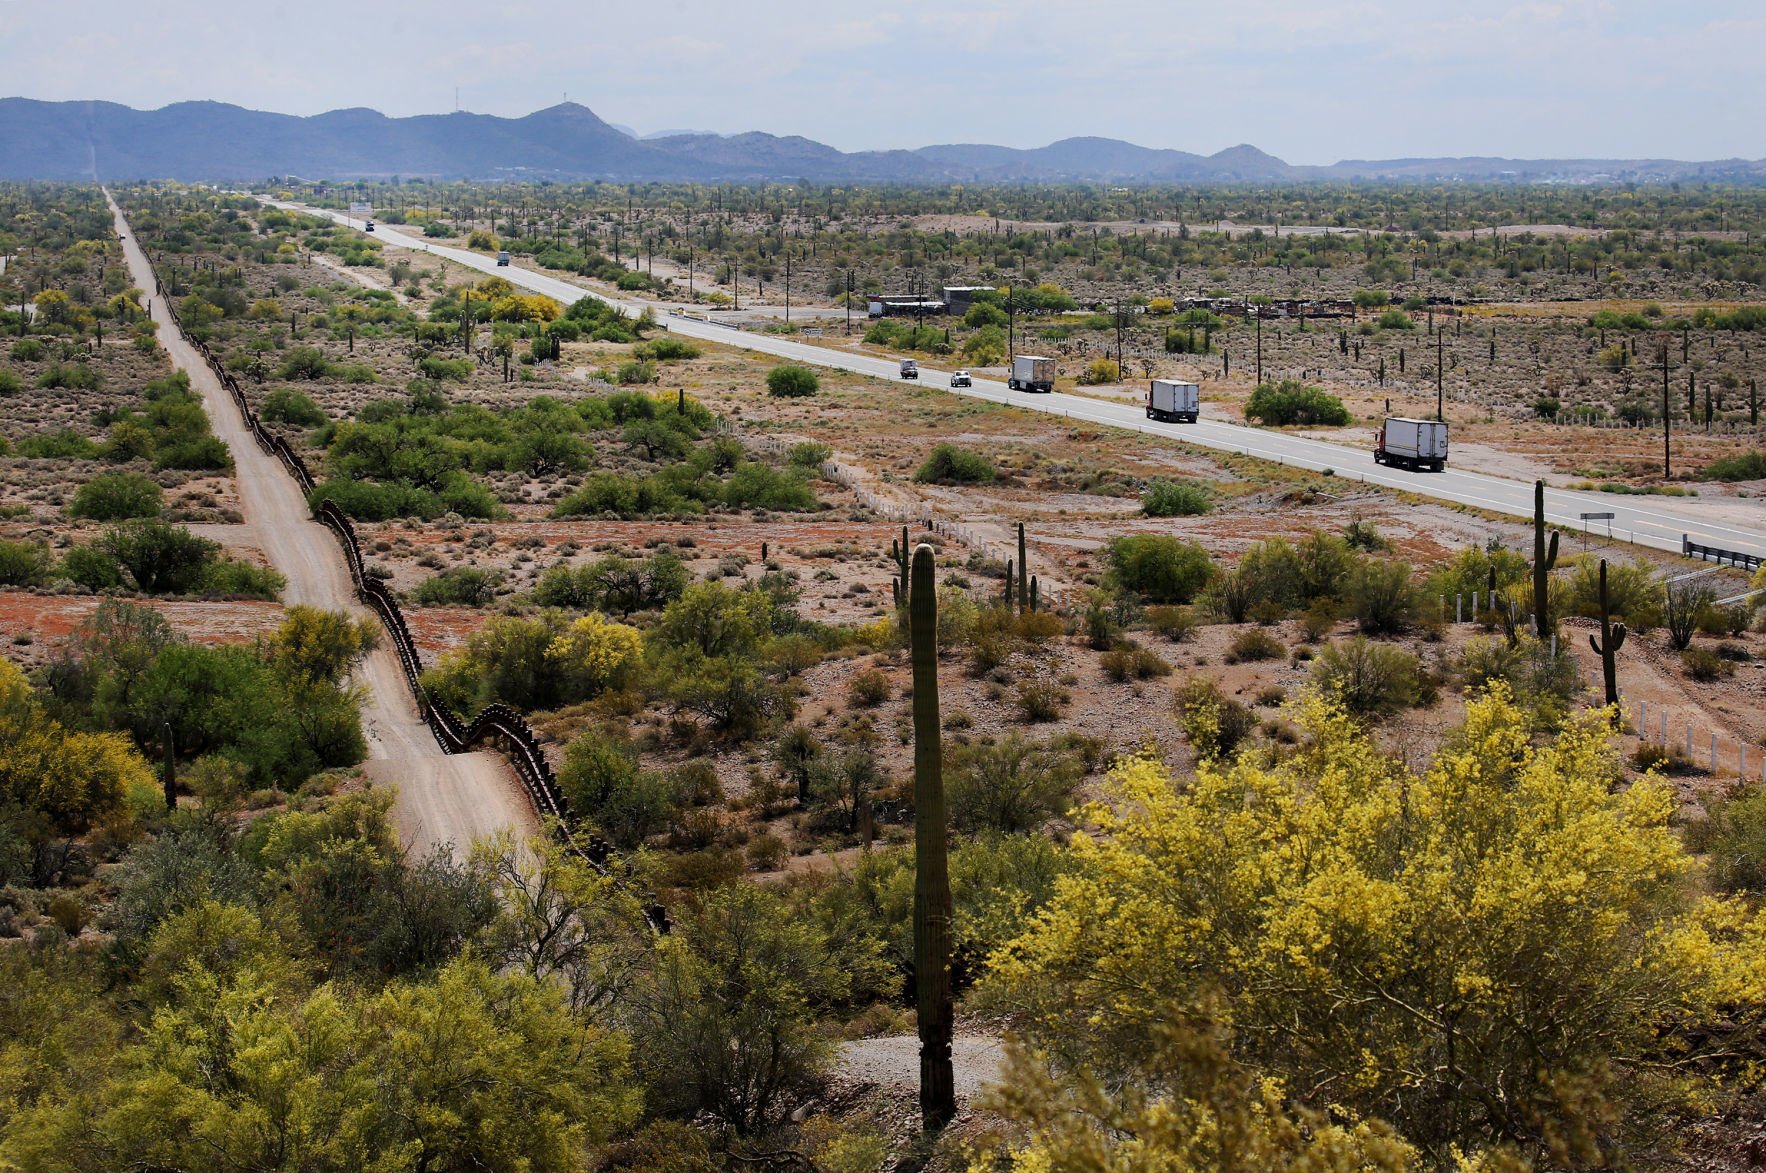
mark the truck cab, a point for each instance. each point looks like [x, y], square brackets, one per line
[910, 369]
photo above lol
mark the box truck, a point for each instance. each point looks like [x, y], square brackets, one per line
[910, 369]
[1411, 443]
[1030, 373]
[1167, 399]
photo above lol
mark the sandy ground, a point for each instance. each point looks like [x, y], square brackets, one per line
[894, 1061]
[442, 799]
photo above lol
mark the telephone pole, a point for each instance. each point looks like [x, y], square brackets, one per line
[1667, 418]
[1438, 395]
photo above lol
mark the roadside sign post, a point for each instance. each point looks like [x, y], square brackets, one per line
[1588, 517]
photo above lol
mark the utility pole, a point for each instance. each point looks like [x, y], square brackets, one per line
[849, 303]
[736, 282]
[787, 286]
[1258, 311]
[1667, 417]
[1438, 356]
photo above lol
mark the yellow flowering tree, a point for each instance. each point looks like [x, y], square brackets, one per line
[1503, 950]
[69, 778]
[595, 654]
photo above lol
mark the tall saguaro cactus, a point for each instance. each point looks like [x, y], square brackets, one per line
[1612, 638]
[1545, 556]
[1023, 573]
[932, 903]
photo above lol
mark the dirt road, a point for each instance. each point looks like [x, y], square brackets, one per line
[442, 798]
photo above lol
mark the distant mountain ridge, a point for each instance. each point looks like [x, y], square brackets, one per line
[214, 141]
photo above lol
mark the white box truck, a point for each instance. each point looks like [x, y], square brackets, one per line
[1411, 443]
[1167, 399]
[1030, 373]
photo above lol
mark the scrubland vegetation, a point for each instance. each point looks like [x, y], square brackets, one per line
[1256, 858]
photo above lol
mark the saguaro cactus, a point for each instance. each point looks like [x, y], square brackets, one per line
[1023, 573]
[1612, 638]
[1009, 573]
[1545, 556]
[932, 903]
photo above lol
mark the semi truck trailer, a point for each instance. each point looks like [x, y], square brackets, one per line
[1030, 373]
[1167, 399]
[1410, 443]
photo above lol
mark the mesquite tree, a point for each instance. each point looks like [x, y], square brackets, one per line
[932, 903]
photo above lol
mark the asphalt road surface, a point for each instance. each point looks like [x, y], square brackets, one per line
[1658, 522]
[443, 799]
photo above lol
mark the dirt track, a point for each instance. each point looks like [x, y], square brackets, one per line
[442, 799]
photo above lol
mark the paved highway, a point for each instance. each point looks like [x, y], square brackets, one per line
[1659, 522]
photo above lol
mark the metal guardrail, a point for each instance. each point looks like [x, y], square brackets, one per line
[1692, 549]
[496, 725]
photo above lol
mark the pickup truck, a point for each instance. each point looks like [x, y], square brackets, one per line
[961, 379]
[910, 369]
[503, 257]
[369, 227]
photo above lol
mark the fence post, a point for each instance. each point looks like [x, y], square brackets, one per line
[1459, 606]
[1643, 720]
[1713, 752]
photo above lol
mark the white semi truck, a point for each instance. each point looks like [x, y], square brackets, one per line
[1030, 373]
[1410, 443]
[1167, 399]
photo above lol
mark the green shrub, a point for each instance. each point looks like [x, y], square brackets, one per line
[950, 465]
[458, 586]
[1253, 645]
[285, 405]
[306, 363]
[92, 568]
[1748, 466]
[1733, 841]
[28, 350]
[1396, 320]
[869, 688]
[666, 350]
[1167, 498]
[1372, 679]
[1174, 623]
[10, 383]
[637, 373]
[603, 784]
[1041, 701]
[1704, 665]
[1381, 597]
[1289, 402]
[118, 495]
[809, 455]
[160, 559]
[65, 444]
[1015, 785]
[24, 564]
[72, 376]
[1129, 661]
[243, 580]
[1159, 568]
[1634, 593]
[792, 382]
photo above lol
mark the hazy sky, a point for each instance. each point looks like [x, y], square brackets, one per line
[1312, 81]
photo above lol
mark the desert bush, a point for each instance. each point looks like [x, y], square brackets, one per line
[1100, 371]
[285, 405]
[1040, 701]
[1215, 724]
[115, 496]
[92, 568]
[24, 564]
[1685, 605]
[1159, 568]
[1371, 679]
[71, 376]
[950, 465]
[65, 444]
[601, 778]
[1381, 597]
[1541, 684]
[666, 350]
[1174, 623]
[792, 382]
[1704, 665]
[1130, 661]
[1748, 466]
[869, 688]
[1733, 841]
[1167, 498]
[1014, 785]
[234, 578]
[1289, 402]
[458, 586]
[1634, 593]
[809, 454]
[1253, 645]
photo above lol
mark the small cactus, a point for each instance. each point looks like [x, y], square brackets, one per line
[1545, 556]
[932, 899]
[1612, 638]
[1009, 572]
[1033, 592]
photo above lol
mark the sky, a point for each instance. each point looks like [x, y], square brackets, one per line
[1311, 81]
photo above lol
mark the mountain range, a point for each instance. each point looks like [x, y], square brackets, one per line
[213, 141]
